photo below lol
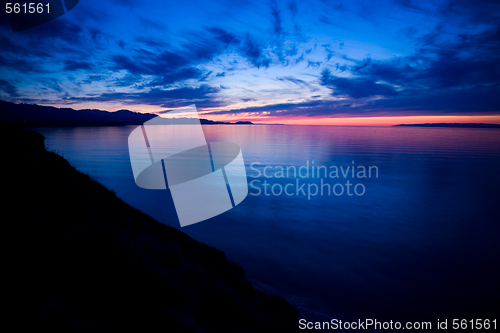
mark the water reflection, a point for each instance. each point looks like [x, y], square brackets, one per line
[422, 238]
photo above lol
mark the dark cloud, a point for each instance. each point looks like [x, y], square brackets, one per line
[59, 43]
[398, 71]
[60, 29]
[334, 6]
[21, 65]
[469, 101]
[450, 71]
[253, 51]
[204, 76]
[180, 75]
[408, 32]
[292, 50]
[285, 109]
[329, 52]
[129, 80]
[97, 35]
[458, 69]
[311, 108]
[280, 47]
[477, 101]
[313, 63]
[467, 61]
[276, 20]
[410, 4]
[149, 24]
[471, 11]
[296, 81]
[151, 42]
[145, 63]
[8, 46]
[8, 88]
[432, 37]
[291, 79]
[326, 20]
[223, 36]
[126, 3]
[203, 96]
[342, 68]
[362, 65]
[355, 87]
[299, 59]
[52, 84]
[169, 65]
[71, 65]
[94, 78]
[292, 6]
[19, 47]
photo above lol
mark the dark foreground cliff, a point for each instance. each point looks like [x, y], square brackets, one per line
[79, 258]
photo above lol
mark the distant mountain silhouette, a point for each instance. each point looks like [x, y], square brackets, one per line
[32, 115]
[465, 125]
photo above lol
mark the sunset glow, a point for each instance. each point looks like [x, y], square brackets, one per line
[287, 62]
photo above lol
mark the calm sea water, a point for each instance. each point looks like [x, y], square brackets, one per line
[421, 242]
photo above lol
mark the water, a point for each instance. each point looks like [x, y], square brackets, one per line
[421, 241]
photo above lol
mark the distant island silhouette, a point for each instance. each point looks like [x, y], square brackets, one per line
[463, 125]
[32, 115]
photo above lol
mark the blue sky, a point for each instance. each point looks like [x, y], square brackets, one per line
[269, 59]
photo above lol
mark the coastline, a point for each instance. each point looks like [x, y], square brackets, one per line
[85, 260]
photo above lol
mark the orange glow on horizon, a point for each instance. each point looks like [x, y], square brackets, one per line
[333, 121]
[362, 121]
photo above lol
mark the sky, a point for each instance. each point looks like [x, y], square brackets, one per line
[290, 62]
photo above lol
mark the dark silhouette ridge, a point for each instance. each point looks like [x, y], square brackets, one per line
[463, 125]
[32, 115]
[81, 259]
